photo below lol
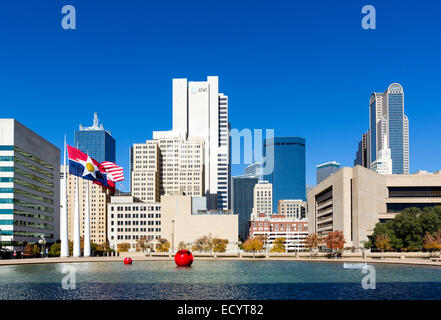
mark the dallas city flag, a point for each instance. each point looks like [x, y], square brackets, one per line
[83, 166]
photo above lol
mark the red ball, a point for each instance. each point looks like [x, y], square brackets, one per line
[183, 258]
[128, 260]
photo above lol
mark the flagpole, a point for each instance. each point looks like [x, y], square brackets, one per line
[76, 235]
[87, 223]
[64, 251]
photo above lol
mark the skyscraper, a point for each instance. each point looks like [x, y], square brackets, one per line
[95, 141]
[201, 112]
[263, 199]
[386, 113]
[253, 170]
[289, 173]
[243, 201]
[324, 170]
[361, 157]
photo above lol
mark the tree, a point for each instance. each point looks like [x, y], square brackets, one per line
[182, 246]
[143, 244]
[220, 245]
[408, 228]
[28, 251]
[55, 250]
[163, 245]
[123, 247]
[279, 245]
[204, 244]
[432, 242]
[382, 242]
[253, 244]
[335, 241]
[312, 241]
[36, 250]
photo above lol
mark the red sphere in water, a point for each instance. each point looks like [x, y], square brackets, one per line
[128, 260]
[183, 258]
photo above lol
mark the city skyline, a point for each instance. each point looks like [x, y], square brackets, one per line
[134, 88]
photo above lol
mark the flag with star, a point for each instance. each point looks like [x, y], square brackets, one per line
[83, 166]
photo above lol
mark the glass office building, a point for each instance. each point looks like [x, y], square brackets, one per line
[95, 141]
[288, 174]
[324, 170]
[242, 200]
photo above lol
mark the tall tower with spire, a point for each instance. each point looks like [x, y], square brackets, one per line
[96, 141]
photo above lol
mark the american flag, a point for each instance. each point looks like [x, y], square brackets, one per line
[114, 172]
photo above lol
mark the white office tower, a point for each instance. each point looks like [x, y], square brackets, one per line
[200, 112]
[387, 119]
[263, 199]
[383, 165]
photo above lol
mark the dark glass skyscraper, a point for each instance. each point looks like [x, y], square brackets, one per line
[289, 172]
[95, 141]
[242, 201]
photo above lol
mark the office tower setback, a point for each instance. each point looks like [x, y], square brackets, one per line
[95, 141]
[361, 158]
[324, 170]
[387, 118]
[253, 170]
[288, 176]
[263, 199]
[98, 199]
[383, 165]
[29, 187]
[201, 112]
[243, 201]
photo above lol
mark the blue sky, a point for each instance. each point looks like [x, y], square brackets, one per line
[304, 68]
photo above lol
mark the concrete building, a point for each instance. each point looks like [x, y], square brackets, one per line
[98, 200]
[387, 118]
[263, 198]
[167, 166]
[293, 209]
[276, 226]
[130, 219]
[29, 187]
[324, 170]
[95, 141]
[180, 225]
[201, 112]
[243, 201]
[353, 200]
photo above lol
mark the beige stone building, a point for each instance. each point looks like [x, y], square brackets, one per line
[98, 197]
[167, 166]
[263, 199]
[353, 200]
[182, 223]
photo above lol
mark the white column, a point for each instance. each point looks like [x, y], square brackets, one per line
[87, 223]
[63, 210]
[76, 235]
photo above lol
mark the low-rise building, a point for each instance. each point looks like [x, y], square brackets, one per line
[276, 226]
[295, 209]
[353, 200]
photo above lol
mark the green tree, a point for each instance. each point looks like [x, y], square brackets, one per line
[408, 228]
[36, 250]
[54, 250]
[220, 245]
[279, 245]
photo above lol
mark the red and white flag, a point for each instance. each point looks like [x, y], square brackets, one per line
[114, 172]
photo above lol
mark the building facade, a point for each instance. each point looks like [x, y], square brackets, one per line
[293, 209]
[361, 157]
[95, 141]
[253, 170]
[324, 170]
[353, 200]
[243, 201]
[294, 231]
[288, 176]
[98, 200]
[29, 187]
[263, 199]
[130, 219]
[387, 118]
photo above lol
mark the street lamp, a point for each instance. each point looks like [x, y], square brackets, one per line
[42, 242]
